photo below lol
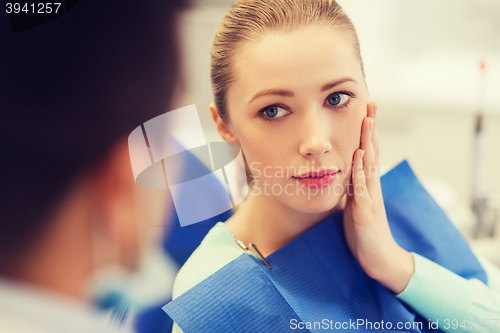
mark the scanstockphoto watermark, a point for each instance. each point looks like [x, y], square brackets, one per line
[363, 324]
[306, 180]
[290, 189]
[258, 170]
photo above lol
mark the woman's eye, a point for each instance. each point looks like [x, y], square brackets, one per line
[273, 112]
[338, 99]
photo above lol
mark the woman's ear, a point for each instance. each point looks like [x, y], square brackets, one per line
[223, 128]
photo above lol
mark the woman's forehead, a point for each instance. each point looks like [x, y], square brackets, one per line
[309, 57]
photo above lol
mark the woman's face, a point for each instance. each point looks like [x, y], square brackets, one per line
[296, 106]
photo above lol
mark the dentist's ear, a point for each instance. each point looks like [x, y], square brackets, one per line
[114, 195]
[223, 128]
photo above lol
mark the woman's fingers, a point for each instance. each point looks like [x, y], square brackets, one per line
[376, 145]
[370, 144]
[358, 188]
[367, 146]
[374, 175]
[372, 110]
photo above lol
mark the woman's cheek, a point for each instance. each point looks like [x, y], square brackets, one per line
[257, 160]
[349, 138]
[360, 114]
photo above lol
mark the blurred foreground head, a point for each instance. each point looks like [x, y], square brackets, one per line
[71, 90]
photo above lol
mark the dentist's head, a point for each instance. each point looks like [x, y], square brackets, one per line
[71, 90]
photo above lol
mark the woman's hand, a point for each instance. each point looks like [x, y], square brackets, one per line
[365, 220]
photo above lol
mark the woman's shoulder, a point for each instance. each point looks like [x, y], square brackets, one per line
[217, 249]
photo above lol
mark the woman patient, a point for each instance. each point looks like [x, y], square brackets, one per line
[289, 90]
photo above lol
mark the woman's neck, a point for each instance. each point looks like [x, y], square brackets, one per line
[270, 225]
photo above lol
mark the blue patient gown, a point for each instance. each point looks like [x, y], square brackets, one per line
[316, 279]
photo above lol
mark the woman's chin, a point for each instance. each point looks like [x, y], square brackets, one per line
[317, 204]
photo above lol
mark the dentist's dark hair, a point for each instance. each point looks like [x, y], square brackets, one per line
[70, 89]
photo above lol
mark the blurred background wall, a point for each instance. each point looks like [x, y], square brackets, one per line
[422, 61]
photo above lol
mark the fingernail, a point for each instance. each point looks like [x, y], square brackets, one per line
[371, 123]
[375, 109]
[362, 154]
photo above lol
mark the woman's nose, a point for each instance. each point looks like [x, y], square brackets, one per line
[315, 135]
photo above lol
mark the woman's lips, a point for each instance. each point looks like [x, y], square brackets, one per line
[316, 181]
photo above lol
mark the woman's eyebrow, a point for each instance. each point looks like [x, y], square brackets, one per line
[336, 83]
[279, 92]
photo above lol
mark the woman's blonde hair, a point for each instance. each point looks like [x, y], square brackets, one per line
[249, 20]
